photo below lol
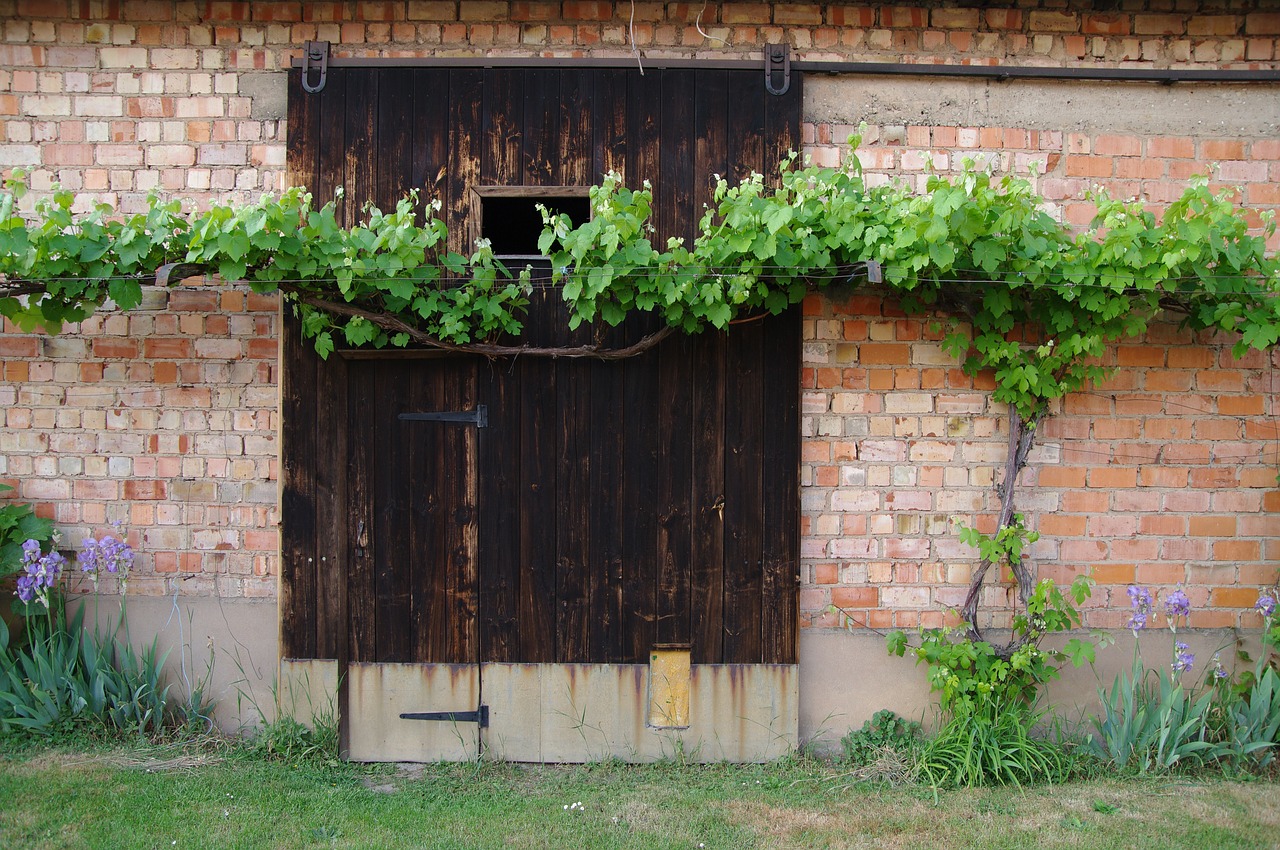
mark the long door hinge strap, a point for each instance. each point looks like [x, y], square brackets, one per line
[480, 715]
[479, 417]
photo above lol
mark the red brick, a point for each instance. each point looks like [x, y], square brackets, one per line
[193, 301]
[1222, 149]
[1106, 24]
[1259, 23]
[1241, 405]
[19, 346]
[139, 489]
[1140, 355]
[115, 349]
[1113, 477]
[1171, 146]
[855, 597]
[167, 348]
[1109, 573]
[1233, 597]
[1214, 25]
[582, 10]
[1089, 166]
[1212, 526]
[1159, 24]
[1109, 145]
[884, 353]
[839, 16]
[226, 11]
[1041, 21]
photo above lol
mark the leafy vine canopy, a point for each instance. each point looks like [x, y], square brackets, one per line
[1031, 299]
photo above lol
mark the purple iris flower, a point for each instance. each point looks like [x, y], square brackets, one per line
[1183, 658]
[1141, 604]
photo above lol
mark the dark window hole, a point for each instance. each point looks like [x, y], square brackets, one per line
[513, 225]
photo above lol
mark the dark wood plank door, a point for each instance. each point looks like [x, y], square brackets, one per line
[415, 582]
[606, 507]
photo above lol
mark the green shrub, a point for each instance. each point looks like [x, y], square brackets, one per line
[65, 674]
[19, 523]
[884, 731]
[1149, 722]
[994, 746]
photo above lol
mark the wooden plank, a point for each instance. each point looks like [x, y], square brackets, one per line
[674, 195]
[605, 496]
[394, 140]
[361, 481]
[675, 470]
[329, 404]
[392, 582]
[426, 458]
[430, 134]
[782, 117]
[499, 514]
[573, 512]
[540, 129]
[743, 509]
[502, 117]
[298, 609]
[537, 495]
[746, 130]
[331, 141]
[712, 107]
[706, 604]
[644, 134]
[461, 485]
[573, 150]
[609, 125]
[781, 486]
[639, 501]
[362, 153]
[466, 86]
[302, 142]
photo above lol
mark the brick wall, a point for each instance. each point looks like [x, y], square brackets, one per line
[165, 419]
[1165, 475]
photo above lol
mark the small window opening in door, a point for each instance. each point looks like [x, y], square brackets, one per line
[511, 221]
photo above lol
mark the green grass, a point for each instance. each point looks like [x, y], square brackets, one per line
[88, 795]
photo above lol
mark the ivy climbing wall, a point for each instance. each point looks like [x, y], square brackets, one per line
[166, 419]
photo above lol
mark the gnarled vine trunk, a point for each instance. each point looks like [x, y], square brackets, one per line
[1022, 434]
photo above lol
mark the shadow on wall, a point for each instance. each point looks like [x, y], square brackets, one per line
[236, 638]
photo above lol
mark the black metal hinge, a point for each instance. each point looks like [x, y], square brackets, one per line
[315, 53]
[480, 715]
[777, 68]
[479, 417]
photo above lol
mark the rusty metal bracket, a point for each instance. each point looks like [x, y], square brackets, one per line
[480, 715]
[777, 68]
[315, 52]
[171, 273]
[871, 269]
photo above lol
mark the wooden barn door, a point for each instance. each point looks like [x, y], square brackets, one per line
[488, 549]
[413, 587]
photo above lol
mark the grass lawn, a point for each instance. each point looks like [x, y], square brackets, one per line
[120, 798]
